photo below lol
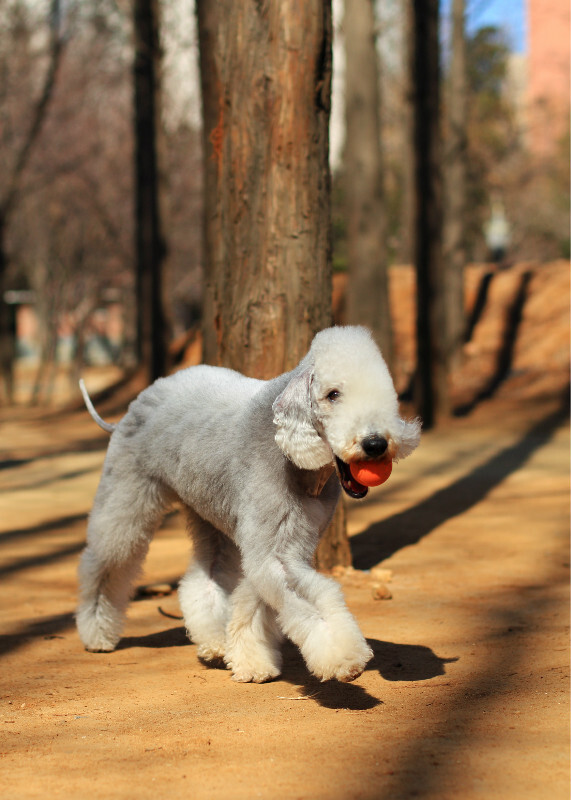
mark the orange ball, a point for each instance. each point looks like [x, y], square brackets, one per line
[371, 473]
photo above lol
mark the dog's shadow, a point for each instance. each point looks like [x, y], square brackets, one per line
[394, 662]
[172, 637]
[407, 662]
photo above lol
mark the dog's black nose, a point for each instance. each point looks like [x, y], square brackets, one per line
[375, 446]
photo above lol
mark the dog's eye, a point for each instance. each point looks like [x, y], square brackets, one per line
[333, 395]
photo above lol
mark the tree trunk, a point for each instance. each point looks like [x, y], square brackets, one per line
[150, 244]
[431, 395]
[405, 251]
[333, 549]
[266, 80]
[368, 288]
[266, 72]
[11, 187]
[7, 324]
[455, 186]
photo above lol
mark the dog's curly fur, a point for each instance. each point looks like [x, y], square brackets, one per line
[258, 466]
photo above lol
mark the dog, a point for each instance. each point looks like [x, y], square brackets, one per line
[258, 467]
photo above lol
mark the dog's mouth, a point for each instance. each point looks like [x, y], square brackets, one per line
[350, 486]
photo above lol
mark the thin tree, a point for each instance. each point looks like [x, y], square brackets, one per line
[431, 394]
[368, 288]
[150, 242]
[455, 190]
[266, 79]
[12, 183]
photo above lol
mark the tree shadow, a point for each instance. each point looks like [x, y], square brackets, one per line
[46, 628]
[41, 560]
[382, 539]
[510, 619]
[48, 480]
[504, 357]
[479, 304]
[505, 354]
[28, 453]
[12, 463]
[44, 527]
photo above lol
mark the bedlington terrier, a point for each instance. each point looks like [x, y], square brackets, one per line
[257, 466]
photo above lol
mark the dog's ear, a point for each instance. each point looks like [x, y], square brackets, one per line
[409, 437]
[296, 434]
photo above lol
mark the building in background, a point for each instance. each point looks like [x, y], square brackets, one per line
[548, 59]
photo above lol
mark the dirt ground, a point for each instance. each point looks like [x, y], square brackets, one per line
[468, 693]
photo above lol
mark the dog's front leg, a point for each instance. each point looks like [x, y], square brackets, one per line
[311, 611]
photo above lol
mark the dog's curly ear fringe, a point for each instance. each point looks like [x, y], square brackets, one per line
[296, 435]
[409, 438]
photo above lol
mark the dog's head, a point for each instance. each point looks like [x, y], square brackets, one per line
[341, 405]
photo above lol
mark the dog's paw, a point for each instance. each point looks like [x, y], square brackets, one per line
[260, 675]
[350, 672]
[99, 626]
[259, 667]
[99, 648]
[96, 641]
[210, 652]
[347, 671]
[337, 653]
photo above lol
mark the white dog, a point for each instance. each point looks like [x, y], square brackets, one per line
[253, 463]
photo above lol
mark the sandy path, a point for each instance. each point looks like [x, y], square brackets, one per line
[467, 695]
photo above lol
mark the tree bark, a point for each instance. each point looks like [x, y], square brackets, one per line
[266, 74]
[150, 242]
[431, 395]
[266, 82]
[368, 287]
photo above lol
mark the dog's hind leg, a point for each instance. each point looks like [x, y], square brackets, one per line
[125, 515]
[253, 638]
[204, 592]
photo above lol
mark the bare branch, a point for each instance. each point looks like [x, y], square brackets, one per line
[56, 49]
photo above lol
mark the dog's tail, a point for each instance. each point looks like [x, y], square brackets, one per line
[109, 427]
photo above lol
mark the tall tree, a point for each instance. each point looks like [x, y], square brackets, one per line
[150, 242]
[431, 388]
[455, 190]
[266, 80]
[13, 177]
[368, 288]
[266, 83]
